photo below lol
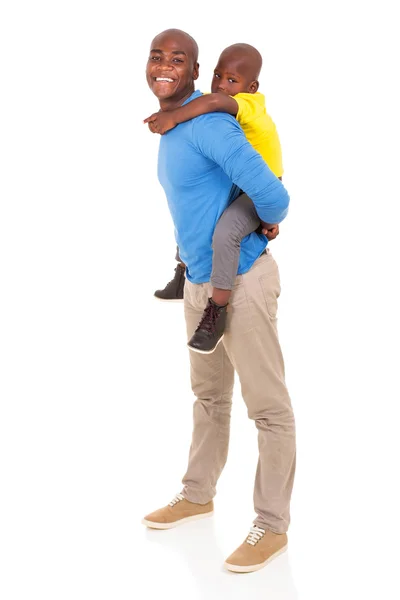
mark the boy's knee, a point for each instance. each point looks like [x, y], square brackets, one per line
[224, 235]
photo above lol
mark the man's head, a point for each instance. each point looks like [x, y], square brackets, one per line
[237, 70]
[172, 67]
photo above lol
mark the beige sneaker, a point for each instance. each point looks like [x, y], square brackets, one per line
[258, 549]
[178, 511]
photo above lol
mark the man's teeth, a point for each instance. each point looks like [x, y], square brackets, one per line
[164, 79]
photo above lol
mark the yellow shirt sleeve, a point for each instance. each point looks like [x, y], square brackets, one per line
[248, 108]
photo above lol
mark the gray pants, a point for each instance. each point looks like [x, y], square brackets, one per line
[237, 221]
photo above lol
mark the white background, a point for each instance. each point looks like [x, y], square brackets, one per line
[96, 405]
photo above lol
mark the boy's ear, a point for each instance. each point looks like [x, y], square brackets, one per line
[253, 87]
[196, 71]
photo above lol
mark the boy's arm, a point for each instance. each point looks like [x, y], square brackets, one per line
[163, 121]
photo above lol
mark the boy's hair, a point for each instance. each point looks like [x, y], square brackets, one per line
[247, 53]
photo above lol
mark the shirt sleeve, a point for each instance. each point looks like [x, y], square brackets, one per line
[248, 109]
[220, 138]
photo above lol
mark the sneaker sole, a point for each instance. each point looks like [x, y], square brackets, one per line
[206, 351]
[154, 525]
[251, 568]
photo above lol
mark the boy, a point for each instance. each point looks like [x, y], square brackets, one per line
[235, 91]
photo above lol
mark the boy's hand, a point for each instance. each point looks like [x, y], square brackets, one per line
[161, 122]
[271, 231]
[150, 126]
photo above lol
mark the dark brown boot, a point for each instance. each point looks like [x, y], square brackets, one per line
[211, 329]
[173, 291]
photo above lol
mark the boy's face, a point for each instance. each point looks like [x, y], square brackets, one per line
[230, 77]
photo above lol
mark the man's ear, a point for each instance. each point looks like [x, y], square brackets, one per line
[196, 71]
[253, 87]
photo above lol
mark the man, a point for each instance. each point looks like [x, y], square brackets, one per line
[198, 161]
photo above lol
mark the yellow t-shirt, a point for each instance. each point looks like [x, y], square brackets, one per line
[260, 129]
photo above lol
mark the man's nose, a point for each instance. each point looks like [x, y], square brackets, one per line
[165, 66]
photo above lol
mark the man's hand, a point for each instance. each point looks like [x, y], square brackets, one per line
[161, 122]
[271, 231]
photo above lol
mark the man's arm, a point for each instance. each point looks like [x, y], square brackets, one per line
[221, 139]
[163, 121]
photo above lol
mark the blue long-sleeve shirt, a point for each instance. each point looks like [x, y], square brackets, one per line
[197, 163]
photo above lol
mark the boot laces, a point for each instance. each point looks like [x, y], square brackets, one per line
[255, 535]
[209, 318]
[178, 270]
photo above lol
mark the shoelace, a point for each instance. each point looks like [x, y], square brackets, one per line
[177, 270]
[177, 499]
[255, 535]
[209, 318]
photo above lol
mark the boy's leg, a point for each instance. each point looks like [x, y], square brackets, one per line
[237, 221]
[178, 258]
[173, 291]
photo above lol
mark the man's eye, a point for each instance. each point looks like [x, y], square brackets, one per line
[179, 60]
[216, 76]
[232, 80]
[154, 58]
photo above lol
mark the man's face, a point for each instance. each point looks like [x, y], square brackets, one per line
[171, 67]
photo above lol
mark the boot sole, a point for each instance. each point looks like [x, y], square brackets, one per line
[251, 568]
[169, 299]
[154, 525]
[206, 351]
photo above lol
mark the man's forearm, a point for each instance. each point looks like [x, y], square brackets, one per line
[223, 141]
[253, 176]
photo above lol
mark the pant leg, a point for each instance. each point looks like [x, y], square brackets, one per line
[251, 341]
[237, 221]
[212, 378]
[177, 257]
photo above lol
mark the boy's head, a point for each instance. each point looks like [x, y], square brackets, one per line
[237, 70]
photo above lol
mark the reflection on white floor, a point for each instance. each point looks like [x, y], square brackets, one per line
[334, 528]
[191, 556]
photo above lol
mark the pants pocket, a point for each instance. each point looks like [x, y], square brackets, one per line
[271, 289]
